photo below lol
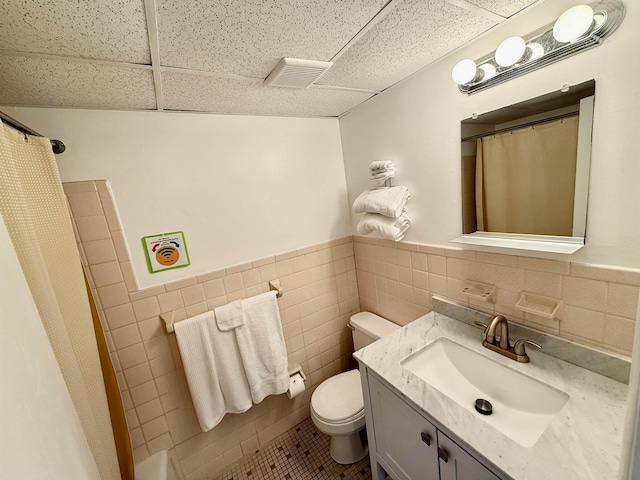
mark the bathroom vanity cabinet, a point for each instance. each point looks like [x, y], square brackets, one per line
[412, 423]
[408, 446]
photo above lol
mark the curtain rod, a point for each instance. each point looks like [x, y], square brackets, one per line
[56, 145]
[524, 125]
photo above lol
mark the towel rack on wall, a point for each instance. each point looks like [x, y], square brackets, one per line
[275, 285]
[168, 318]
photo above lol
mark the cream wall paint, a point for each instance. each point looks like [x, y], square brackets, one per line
[41, 433]
[240, 187]
[417, 124]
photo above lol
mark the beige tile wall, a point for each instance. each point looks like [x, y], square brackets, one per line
[320, 294]
[322, 283]
[599, 303]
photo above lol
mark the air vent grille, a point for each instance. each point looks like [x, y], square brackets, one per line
[296, 73]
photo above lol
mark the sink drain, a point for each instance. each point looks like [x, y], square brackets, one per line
[484, 407]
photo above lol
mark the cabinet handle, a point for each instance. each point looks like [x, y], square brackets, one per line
[442, 453]
[426, 438]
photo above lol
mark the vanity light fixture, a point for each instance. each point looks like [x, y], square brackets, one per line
[577, 29]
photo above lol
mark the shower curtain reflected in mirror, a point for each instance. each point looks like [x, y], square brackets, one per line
[525, 179]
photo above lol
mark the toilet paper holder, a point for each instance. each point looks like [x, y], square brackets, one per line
[296, 370]
[296, 383]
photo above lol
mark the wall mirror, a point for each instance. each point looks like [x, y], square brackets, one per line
[525, 172]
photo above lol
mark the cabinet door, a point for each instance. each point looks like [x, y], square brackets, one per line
[457, 464]
[404, 439]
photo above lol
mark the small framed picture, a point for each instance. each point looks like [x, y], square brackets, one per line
[165, 251]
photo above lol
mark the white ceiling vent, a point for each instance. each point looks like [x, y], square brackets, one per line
[296, 73]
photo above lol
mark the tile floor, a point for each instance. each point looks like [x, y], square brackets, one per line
[301, 453]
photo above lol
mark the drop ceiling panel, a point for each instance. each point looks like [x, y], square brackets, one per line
[220, 95]
[505, 8]
[249, 37]
[235, 38]
[413, 34]
[55, 83]
[98, 29]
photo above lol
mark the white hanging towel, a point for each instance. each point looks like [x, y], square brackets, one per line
[262, 347]
[385, 201]
[392, 228]
[229, 316]
[214, 369]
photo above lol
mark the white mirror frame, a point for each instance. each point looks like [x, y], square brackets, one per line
[553, 243]
[538, 243]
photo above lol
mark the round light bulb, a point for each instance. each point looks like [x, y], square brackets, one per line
[573, 23]
[488, 71]
[510, 51]
[464, 71]
[536, 49]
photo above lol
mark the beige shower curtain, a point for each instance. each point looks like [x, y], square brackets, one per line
[525, 179]
[34, 210]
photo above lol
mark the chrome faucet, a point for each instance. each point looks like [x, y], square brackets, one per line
[500, 325]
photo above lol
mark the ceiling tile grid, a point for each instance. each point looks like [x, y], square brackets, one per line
[413, 34]
[221, 95]
[93, 53]
[98, 29]
[505, 8]
[59, 83]
[249, 37]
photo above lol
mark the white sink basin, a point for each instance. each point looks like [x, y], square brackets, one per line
[522, 407]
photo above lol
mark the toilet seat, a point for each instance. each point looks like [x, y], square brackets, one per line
[353, 426]
[338, 400]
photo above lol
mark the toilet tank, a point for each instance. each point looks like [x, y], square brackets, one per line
[369, 327]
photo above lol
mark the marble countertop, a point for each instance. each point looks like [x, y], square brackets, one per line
[582, 442]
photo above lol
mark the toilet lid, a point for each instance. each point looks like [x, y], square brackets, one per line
[338, 397]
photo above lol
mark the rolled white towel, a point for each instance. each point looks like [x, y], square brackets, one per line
[382, 170]
[385, 201]
[383, 175]
[391, 228]
[381, 165]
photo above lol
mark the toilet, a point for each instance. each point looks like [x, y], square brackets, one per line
[337, 405]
